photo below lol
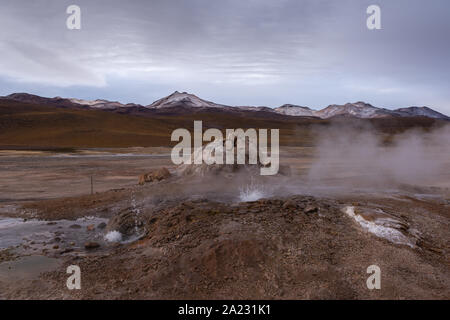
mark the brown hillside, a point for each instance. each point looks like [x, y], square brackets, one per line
[24, 125]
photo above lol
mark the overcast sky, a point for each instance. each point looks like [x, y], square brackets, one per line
[237, 52]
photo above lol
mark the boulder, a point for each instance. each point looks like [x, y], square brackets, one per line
[124, 222]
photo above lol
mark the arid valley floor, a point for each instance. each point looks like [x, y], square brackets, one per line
[219, 236]
[236, 154]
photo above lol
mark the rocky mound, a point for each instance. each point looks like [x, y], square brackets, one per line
[155, 175]
[289, 248]
[207, 155]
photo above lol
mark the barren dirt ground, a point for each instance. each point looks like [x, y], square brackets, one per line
[214, 237]
[36, 175]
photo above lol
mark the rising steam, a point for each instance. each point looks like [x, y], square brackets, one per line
[361, 156]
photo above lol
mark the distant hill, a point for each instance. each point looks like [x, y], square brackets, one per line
[187, 101]
[28, 121]
[45, 126]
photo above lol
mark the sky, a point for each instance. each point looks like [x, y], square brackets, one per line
[236, 52]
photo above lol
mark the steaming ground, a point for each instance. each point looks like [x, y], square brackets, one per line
[413, 157]
[354, 200]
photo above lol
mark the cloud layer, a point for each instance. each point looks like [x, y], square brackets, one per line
[258, 52]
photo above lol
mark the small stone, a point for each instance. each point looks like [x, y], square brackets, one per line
[55, 246]
[101, 225]
[90, 227]
[435, 249]
[311, 209]
[289, 205]
[91, 245]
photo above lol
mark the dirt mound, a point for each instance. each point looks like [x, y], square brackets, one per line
[155, 175]
[288, 248]
[210, 166]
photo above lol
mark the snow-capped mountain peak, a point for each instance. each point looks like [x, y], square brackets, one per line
[186, 100]
[183, 98]
[293, 110]
[358, 109]
[421, 111]
[98, 103]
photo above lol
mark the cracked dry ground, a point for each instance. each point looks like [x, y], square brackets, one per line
[297, 247]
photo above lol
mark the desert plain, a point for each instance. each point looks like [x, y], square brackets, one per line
[310, 233]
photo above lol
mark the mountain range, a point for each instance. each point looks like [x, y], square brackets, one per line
[188, 101]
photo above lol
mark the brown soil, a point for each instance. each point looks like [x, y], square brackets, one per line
[34, 126]
[197, 248]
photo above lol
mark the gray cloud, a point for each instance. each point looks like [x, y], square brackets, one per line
[259, 52]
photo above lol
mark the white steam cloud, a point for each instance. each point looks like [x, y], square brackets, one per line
[359, 156]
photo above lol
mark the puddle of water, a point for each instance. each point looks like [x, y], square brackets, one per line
[28, 267]
[38, 235]
[8, 209]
